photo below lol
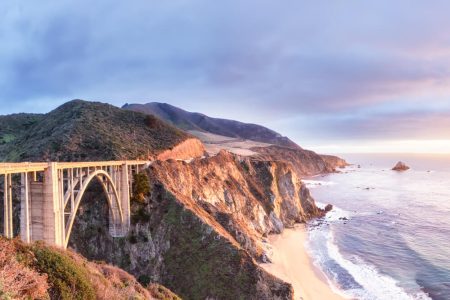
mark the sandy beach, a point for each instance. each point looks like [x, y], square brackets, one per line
[291, 263]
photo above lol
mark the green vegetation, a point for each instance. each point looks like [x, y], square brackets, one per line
[141, 187]
[140, 215]
[81, 131]
[7, 138]
[213, 264]
[67, 279]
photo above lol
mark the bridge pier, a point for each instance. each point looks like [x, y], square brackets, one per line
[7, 207]
[125, 196]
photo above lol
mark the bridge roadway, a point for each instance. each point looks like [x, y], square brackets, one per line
[51, 192]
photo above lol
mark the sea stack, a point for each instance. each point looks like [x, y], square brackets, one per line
[400, 166]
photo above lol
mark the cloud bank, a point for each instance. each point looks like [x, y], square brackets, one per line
[316, 71]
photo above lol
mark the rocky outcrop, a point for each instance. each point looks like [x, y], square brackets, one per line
[187, 149]
[250, 198]
[334, 161]
[201, 229]
[400, 166]
[304, 162]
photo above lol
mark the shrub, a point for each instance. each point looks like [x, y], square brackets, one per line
[68, 279]
[18, 281]
[140, 216]
[162, 293]
[141, 187]
[151, 121]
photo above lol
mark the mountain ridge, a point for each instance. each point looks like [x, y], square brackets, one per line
[197, 121]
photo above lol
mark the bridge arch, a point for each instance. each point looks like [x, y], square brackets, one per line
[112, 196]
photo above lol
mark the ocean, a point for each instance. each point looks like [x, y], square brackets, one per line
[388, 235]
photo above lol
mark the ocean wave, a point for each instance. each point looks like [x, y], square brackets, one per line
[335, 214]
[356, 278]
[316, 183]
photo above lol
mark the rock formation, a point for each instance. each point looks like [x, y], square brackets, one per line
[400, 166]
[304, 162]
[201, 229]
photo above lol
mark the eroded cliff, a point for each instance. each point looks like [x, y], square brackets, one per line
[304, 162]
[201, 229]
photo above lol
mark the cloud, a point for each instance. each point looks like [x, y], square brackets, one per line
[310, 69]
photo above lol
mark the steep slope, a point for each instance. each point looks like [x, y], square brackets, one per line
[81, 130]
[202, 227]
[37, 271]
[200, 122]
[242, 139]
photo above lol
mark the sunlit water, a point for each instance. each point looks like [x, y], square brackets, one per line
[396, 241]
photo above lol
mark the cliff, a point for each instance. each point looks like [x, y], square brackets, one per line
[304, 162]
[334, 161]
[202, 226]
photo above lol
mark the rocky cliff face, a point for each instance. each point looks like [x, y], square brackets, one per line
[304, 162]
[201, 229]
[249, 198]
[334, 161]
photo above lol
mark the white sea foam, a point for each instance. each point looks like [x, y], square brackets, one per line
[375, 286]
[316, 183]
[335, 214]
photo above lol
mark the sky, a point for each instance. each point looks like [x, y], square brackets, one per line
[334, 76]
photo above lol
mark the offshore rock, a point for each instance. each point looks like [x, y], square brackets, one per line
[400, 166]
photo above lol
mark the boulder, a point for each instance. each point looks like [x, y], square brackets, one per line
[328, 208]
[400, 166]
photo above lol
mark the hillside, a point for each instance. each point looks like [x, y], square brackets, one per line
[192, 121]
[201, 228]
[80, 130]
[243, 139]
[37, 271]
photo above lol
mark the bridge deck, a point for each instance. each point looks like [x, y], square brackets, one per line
[11, 168]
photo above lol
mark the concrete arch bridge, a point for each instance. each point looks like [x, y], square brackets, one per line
[50, 194]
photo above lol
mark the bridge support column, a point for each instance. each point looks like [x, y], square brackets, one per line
[125, 197]
[7, 208]
[25, 219]
[53, 212]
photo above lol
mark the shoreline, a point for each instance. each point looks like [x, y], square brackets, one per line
[291, 263]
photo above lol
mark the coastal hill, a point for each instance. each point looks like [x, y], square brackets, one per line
[200, 228]
[242, 138]
[81, 131]
[192, 121]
